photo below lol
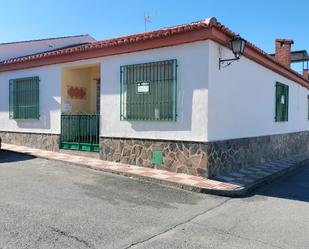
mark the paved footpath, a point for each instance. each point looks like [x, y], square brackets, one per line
[48, 204]
[233, 184]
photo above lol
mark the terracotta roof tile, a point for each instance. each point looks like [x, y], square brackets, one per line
[147, 36]
[118, 41]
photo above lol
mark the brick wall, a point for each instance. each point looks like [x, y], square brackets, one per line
[283, 51]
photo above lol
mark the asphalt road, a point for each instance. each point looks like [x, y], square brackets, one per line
[46, 204]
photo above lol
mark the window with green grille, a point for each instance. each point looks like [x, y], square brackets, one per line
[308, 107]
[148, 91]
[24, 98]
[282, 102]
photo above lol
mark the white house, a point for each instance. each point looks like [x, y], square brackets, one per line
[160, 99]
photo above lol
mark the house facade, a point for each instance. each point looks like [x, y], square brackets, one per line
[159, 99]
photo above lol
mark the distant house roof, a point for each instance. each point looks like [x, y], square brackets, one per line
[206, 29]
[298, 56]
[12, 50]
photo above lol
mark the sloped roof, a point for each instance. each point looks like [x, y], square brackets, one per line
[13, 50]
[115, 41]
[50, 39]
[209, 28]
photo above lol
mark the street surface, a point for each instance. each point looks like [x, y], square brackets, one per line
[47, 204]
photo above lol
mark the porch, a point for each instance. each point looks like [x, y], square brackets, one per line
[80, 108]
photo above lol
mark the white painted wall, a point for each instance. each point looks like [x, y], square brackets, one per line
[242, 100]
[192, 92]
[49, 87]
[234, 102]
[192, 96]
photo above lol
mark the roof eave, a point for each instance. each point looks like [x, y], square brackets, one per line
[204, 30]
[172, 40]
[223, 36]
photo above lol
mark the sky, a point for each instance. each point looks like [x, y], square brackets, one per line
[259, 21]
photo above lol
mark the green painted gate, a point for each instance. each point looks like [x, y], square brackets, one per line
[80, 132]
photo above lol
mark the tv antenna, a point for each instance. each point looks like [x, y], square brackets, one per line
[147, 19]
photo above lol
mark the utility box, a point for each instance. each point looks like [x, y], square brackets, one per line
[157, 158]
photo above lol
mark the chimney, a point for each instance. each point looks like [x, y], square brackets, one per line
[305, 74]
[283, 51]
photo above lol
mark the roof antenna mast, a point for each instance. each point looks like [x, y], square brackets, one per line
[147, 19]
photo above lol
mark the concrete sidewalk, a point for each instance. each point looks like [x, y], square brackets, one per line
[234, 184]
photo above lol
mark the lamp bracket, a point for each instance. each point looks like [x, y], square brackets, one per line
[226, 62]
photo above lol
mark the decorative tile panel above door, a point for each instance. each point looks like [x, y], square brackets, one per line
[75, 92]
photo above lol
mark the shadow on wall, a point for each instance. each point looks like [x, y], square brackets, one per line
[184, 111]
[192, 94]
[10, 157]
[42, 123]
[184, 117]
[49, 102]
[45, 118]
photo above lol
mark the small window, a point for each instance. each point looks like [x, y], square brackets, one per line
[24, 98]
[148, 91]
[282, 102]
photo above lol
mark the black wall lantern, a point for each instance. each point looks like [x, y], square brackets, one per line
[238, 47]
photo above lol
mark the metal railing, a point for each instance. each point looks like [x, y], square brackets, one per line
[80, 132]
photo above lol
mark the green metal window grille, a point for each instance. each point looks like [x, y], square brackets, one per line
[308, 107]
[282, 102]
[148, 91]
[24, 98]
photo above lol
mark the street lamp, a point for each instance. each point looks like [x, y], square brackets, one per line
[238, 47]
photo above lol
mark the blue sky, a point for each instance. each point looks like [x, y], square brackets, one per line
[258, 21]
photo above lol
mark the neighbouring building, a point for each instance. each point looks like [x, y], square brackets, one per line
[160, 99]
[14, 50]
